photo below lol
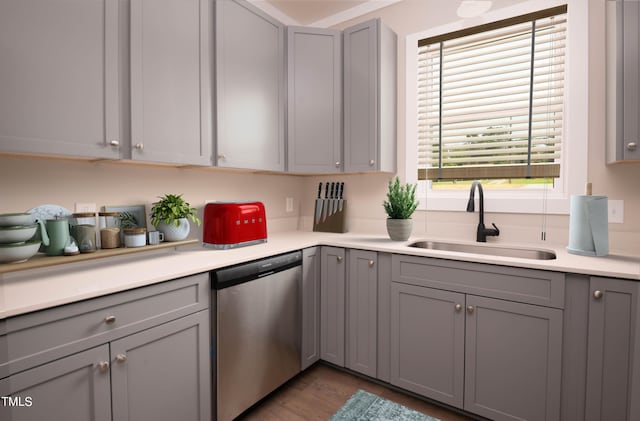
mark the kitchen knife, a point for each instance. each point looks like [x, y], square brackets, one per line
[340, 197]
[335, 198]
[319, 203]
[331, 198]
[325, 201]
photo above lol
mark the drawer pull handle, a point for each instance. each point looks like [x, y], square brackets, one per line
[458, 307]
[470, 309]
[597, 294]
[110, 320]
[103, 366]
[121, 358]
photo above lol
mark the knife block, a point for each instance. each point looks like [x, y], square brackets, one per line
[335, 222]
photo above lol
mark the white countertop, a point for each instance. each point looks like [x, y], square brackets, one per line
[37, 289]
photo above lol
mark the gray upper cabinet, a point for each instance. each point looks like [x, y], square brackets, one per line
[362, 312]
[369, 97]
[310, 291]
[59, 80]
[250, 87]
[613, 361]
[332, 305]
[314, 117]
[623, 80]
[170, 81]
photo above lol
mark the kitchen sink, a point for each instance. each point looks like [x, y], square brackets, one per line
[523, 253]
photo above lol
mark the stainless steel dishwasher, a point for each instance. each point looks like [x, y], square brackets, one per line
[257, 336]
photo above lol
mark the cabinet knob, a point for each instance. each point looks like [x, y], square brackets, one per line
[110, 320]
[597, 294]
[337, 163]
[339, 258]
[470, 309]
[139, 146]
[222, 157]
[371, 263]
[371, 163]
[114, 143]
[103, 366]
[458, 307]
[121, 358]
[632, 146]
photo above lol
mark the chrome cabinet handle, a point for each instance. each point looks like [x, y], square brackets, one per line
[114, 143]
[339, 258]
[337, 163]
[139, 146]
[458, 307]
[371, 263]
[597, 294]
[632, 146]
[371, 162]
[103, 366]
[470, 309]
[110, 319]
[121, 358]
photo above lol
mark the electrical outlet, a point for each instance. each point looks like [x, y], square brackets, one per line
[616, 211]
[85, 207]
[289, 204]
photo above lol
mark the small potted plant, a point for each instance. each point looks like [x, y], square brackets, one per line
[169, 216]
[400, 204]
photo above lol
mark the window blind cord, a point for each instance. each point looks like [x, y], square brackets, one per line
[545, 189]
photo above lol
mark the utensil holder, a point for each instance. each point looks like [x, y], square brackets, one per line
[326, 219]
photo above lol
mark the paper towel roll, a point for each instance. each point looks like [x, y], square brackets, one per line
[588, 226]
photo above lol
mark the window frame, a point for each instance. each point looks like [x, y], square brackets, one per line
[575, 136]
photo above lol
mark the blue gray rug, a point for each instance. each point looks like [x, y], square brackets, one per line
[367, 406]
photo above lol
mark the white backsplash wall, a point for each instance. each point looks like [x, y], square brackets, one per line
[29, 182]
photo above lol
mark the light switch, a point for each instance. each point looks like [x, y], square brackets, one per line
[616, 211]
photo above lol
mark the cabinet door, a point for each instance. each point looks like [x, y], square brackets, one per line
[163, 373]
[512, 360]
[250, 87]
[613, 351]
[170, 81]
[314, 67]
[362, 314]
[332, 305]
[631, 76]
[59, 79]
[310, 306]
[74, 388]
[427, 342]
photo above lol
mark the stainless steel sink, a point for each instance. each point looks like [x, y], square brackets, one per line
[522, 253]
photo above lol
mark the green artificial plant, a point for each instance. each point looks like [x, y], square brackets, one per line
[401, 200]
[170, 209]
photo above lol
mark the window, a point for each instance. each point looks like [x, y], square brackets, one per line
[491, 100]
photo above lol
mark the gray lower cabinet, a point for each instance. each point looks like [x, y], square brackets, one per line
[362, 312]
[613, 359]
[314, 117]
[369, 97]
[170, 81]
[74, 388]
[250, 87]
[310, 346]
[332, 305]
[59, 78]
[136, 355]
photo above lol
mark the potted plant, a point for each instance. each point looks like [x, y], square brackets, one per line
[169, 216]
[400, 204]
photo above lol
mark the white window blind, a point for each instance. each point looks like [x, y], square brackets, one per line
[490, 100]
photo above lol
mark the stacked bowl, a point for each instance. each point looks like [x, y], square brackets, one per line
[17, 231]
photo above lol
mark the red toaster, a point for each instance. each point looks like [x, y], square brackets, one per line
[233, 224]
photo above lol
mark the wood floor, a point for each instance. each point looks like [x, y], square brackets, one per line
[321, 390]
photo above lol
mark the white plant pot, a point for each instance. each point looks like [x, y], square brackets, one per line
[173, 233]
[399, 229]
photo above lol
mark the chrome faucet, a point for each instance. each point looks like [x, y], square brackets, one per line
[482, 233]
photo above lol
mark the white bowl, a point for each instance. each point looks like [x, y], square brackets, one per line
[13, 253]
[13, 219]
[18, 234]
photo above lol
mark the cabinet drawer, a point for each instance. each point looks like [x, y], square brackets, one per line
[529, 286]
[36, 338]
